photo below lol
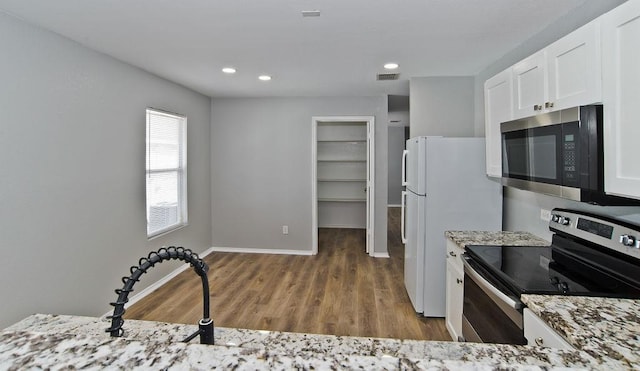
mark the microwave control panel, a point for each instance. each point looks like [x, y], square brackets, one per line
[570, 153]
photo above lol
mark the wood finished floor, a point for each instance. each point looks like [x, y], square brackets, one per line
[340, 291]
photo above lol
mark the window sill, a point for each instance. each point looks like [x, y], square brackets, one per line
[164, 232]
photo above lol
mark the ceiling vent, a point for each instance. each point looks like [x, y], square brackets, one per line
[387, 76]
[311, 13]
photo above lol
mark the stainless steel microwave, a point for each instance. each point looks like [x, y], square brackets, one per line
[558, 153]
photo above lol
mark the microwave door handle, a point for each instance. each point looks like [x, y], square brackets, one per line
[488, 287]
[404, 167]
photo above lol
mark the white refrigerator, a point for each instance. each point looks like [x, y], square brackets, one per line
[446, 189]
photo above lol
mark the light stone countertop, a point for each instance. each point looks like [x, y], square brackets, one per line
[42, 341]
[603, 327]
[464, 238]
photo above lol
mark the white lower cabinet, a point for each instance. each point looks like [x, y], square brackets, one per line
[537, 332]
[621, 91]
[455, 290]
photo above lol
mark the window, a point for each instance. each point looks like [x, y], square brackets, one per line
[166, 172]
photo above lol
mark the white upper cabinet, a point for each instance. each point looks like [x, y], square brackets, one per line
[565, 74]
[621, 99]
[530, 85]
[574, 68]
[498, 98]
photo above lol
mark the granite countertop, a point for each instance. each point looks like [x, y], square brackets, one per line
[602, 327]
[43, 341]
[464, 238]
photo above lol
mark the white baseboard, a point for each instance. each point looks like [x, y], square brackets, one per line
[394, 205]
[154, 286]
[246, 250]
[344, 226]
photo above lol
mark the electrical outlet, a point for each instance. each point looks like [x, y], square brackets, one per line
[545, 215]
[285, 229]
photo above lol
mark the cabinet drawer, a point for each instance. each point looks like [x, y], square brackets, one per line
[537, 332]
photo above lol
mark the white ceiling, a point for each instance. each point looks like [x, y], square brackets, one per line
[337, 54]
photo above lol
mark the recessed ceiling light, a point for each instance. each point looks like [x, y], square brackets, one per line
[264, 77]
[391, 66]
[229, 70]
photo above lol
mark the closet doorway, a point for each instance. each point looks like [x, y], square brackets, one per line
[343, 175]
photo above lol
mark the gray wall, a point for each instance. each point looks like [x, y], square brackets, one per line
[522, 208]
[261, 168]
[398, 109]
[442, 106]
[521, 211]
[396, 146]
[72, 194]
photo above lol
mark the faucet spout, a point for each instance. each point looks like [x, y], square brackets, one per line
[206, 328]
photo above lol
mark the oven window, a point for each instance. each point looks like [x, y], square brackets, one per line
[487, 319]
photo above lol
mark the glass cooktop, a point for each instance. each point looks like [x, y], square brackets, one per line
[538, 270]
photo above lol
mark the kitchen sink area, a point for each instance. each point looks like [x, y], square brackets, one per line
[50, 341]
[44, 341]
[205, 325]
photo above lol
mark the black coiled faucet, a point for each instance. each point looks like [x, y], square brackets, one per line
[165, 253]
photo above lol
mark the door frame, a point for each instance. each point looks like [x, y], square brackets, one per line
[370, 121]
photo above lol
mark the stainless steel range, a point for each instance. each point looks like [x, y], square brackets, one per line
[590, 255]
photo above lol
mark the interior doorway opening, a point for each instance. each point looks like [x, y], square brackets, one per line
[343, 174]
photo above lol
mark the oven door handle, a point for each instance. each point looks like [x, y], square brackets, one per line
[488, 287]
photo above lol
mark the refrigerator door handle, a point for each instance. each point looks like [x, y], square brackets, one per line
[402, 217]
[404, 167]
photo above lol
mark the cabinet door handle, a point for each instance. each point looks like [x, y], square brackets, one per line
[539, 341]
[452, 254]
[549, 105]
[458, 280]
